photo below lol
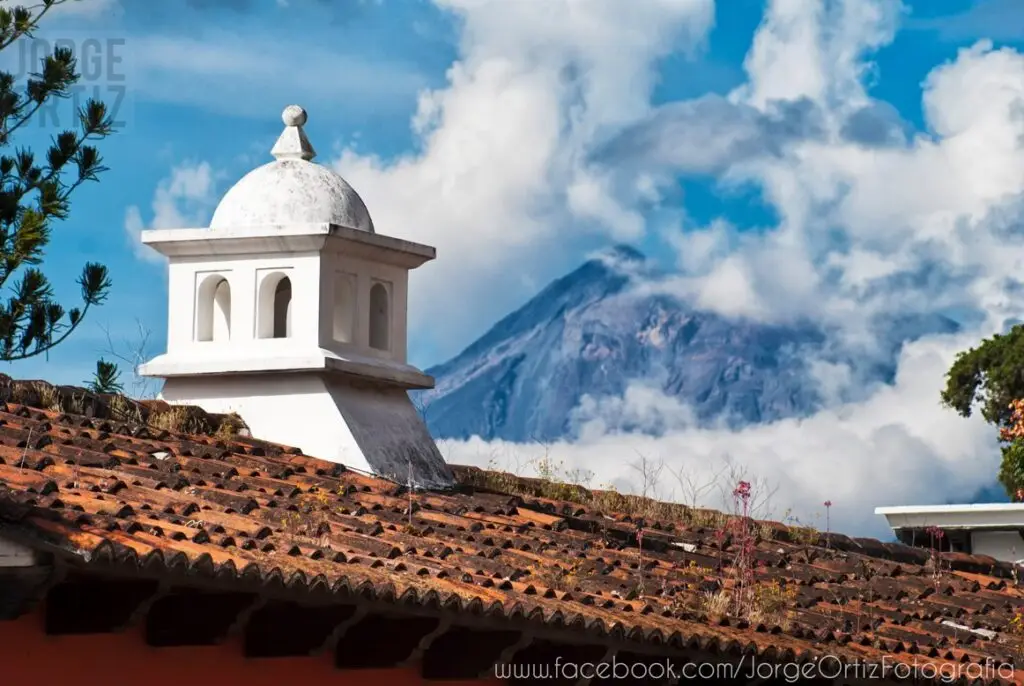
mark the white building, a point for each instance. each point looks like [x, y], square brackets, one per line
[291, 311]
[993, 529]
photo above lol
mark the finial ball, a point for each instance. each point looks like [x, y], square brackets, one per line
[293, 115]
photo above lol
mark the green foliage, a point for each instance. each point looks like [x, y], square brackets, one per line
[1011, 470]
[35, 194]
[992, 374]
[106, 378]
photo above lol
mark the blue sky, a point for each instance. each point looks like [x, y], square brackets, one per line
[205, 81]
[782, 160]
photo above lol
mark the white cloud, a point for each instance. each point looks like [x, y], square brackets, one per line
[642, 408]
[815, 51]
[184, 199]
[500, 183]
[857, 219]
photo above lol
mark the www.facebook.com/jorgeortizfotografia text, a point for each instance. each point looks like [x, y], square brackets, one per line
[750, 668]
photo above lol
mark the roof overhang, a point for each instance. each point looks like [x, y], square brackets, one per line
[257, 359]
[990, 516]
[255, 240]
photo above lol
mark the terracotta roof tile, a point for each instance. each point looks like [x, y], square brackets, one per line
[98, 490]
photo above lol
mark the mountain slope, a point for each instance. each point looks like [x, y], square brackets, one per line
[590, 334]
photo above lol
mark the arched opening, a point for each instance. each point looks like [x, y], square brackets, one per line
[344, 307]
[283, 308]
[213, 309]
[274, 317]
[380, 325]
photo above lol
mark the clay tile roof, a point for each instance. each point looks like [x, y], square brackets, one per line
[102, 480]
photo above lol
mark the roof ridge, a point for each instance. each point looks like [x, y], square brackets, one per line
[632, 509]
[151, 413]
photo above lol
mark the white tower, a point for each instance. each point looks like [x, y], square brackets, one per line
[291, 311]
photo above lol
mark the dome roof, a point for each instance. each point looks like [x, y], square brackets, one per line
[292, 192]
[292, 189]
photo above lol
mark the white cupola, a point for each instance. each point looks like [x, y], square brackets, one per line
[291, 311]
[291, 189]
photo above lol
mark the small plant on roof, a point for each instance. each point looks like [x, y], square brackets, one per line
[580, 476]
[408, 485]
[744, 562]
[180, 418]
[322, 498]
[640, 559]
[936, 535]
[124, 410]
[764, 531]
[48, 396]
[558, 578]
[698, 518]
[547, 468]
[76, 404]
[770, 603]
[1015, 627]
[699, 573]
[1016, 624]
[715, 604]
[409, 527]
[291, 522]
[683, 604]
[736, 533]
[828, 519]
[800, 533]
[230, 427]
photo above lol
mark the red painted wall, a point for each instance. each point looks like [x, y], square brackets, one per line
[28, 657]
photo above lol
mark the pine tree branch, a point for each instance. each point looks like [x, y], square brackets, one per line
[27, 30]
[50, 344]
[33, 195]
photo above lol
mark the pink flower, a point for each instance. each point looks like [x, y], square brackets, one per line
[828, 503]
